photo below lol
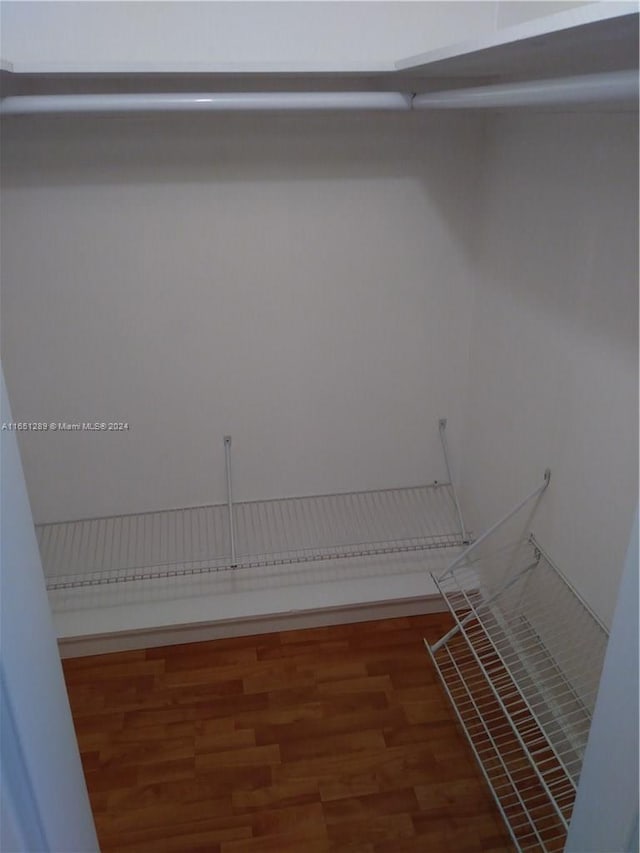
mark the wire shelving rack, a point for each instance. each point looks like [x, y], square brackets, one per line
[195, 540]
[521, 667]
[126, 551]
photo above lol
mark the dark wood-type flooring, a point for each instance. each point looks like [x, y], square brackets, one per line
[329, 739]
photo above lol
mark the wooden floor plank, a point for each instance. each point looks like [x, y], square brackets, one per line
[374, 829]
[307, 741]
[290, 793]
[397, 801]
[332, 744]
[207, 834]
[317, 726]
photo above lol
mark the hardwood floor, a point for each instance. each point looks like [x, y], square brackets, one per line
[329, 739]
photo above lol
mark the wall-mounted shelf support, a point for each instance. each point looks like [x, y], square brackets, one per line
[442, 426]
[537, 492]
[232, 532]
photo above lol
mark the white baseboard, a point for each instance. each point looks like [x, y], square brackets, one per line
[193, 633]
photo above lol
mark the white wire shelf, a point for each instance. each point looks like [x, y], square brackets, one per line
[522, 668]
[196, 541]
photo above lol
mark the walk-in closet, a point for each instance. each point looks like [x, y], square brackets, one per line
[317, 315]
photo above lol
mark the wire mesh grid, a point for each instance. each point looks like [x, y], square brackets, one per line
[277, 582]
[195, 541]
[522, 672]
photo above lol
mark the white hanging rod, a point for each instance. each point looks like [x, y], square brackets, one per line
[205, 102]
[587, 88]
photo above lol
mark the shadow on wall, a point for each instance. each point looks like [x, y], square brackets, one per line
[559, 227]
[41, 151]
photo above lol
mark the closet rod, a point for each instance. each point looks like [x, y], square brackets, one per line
[586, 88]
[204, 101]
[583, 89]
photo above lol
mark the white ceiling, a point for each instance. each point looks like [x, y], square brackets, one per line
[245, 36]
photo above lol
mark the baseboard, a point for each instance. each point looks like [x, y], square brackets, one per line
[193, 633]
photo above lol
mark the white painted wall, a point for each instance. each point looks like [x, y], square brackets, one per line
[553, 379]
[247, 35]
[300, 282]
[188, 276]
[44, 798]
